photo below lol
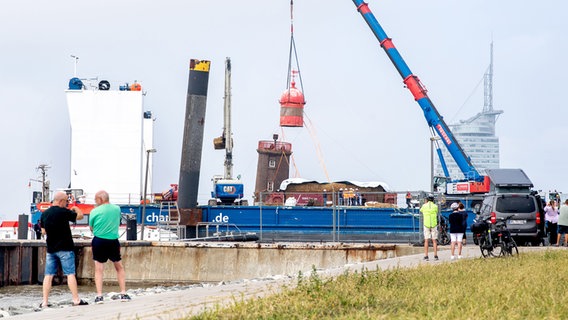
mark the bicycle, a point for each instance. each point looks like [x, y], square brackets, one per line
[444, 233]
[493, 237]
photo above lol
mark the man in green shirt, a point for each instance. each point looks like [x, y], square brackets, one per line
[104, 222]
[429, 212]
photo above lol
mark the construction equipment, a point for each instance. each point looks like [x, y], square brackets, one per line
[226, 189]
[473, 182]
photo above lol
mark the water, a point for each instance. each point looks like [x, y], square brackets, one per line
[15, 296]
[16, 300]
[31, 295]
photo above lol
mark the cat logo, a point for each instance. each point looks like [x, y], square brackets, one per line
[229, 189]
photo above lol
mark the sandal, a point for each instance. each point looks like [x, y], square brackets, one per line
[81, 303]
[41, 306]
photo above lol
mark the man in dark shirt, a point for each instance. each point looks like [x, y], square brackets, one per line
[461, 208]
[60, 246]
[457, 229]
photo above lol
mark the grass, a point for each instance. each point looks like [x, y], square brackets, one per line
[530, 286]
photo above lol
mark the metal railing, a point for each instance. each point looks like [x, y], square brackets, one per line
[404, 222]
[230, 229]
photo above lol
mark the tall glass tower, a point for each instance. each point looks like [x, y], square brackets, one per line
[476, 135]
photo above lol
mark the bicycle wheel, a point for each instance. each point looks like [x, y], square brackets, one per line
[512, 247]
[485, 247]
[508, 244]
[444, 238]
[485, 252]
[504, 249]
[498, 249]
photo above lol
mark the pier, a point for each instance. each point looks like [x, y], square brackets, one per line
[23, 261]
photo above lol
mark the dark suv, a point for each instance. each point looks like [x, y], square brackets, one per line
[527, 224]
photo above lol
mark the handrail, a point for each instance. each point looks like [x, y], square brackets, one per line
[217, 225]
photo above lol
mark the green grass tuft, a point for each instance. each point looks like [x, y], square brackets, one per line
[530, 286]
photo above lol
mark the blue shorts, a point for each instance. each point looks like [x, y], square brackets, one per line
[65, 258]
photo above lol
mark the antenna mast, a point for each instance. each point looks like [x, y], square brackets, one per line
[488, 85]
[44, 182]
[75, 66]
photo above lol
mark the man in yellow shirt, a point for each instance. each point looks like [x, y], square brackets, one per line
[429, 212]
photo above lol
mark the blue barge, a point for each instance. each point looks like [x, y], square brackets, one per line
[304, 223]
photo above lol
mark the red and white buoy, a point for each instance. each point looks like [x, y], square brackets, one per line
[292, 107]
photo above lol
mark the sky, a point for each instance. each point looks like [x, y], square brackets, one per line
[365, 124]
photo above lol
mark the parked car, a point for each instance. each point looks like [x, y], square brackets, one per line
[527, 224]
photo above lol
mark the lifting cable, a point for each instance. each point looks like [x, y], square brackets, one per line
[435, 140]
[293, 57]
[293, 53]
[283, 157]
[313, 135]
[292, 160]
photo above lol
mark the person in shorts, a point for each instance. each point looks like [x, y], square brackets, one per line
[461, 208]
[60, 247]
[563, 224]
[457, 230]
[104, 222]
[429, 212]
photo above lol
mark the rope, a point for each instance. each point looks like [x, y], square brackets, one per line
[296, 171]
[313, 135]
[293, 53]
[282, 156]
[467, 99]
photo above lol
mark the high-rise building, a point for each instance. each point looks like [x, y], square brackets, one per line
[476, 135]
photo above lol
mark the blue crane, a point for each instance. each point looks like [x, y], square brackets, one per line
[474, 182]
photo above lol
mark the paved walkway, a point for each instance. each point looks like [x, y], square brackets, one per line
[179, 304]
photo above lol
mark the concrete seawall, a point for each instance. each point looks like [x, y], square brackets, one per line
[23, 261]
[184, 303]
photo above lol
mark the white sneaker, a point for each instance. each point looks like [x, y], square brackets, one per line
[452, 257]
[459, 257]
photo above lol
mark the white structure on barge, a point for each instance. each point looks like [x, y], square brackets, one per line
[110, 135]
